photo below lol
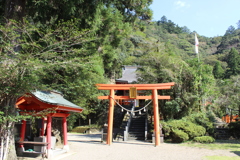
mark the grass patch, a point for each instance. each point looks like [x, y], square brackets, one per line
[221, 158]
[232, 145]
[84, 129]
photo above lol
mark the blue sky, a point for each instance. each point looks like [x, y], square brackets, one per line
[207, 17]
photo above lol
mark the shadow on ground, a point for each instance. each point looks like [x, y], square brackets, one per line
[236, 152]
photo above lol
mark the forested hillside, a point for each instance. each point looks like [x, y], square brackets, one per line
[166, 53]
[70, 46]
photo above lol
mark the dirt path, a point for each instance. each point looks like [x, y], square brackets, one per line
[89, 147]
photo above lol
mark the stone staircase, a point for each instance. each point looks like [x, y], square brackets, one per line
[119, 122]
[137, 127]
[221, 129]
[222, 133]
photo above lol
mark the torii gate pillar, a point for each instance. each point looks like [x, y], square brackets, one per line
[110, 118]
[155, 97]
[156, 117]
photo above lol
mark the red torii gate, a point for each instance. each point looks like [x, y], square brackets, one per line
[155, 97]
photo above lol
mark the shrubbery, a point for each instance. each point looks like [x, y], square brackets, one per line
[179, 136]
[234, 129]
[203, 119]
[190, 127]
[80, 129]
[180, 130]
[204, 139]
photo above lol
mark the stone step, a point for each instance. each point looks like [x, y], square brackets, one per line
[136, 138]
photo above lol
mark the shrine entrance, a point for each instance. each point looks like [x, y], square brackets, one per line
[133, 88]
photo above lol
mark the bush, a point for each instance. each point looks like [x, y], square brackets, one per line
[194, 130]
[80, 129]
[179, 136]
[203, 119]
[204, 139]
[181, 130]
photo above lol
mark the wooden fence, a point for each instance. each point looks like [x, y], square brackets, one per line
[230, 118]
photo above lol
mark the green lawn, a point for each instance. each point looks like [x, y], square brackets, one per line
[231, 145]
[221, 158]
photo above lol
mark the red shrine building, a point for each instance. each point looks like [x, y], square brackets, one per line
[45, 104]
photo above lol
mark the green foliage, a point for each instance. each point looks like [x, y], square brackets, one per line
[233, 61]
[229, 93]
[171, 108]
[169, 26]
[234, 129]
[80, 129]
[218, 71]
[179, 136]
[203, 119]
[204, 139]
[181, 130]
[84, 129]
[194, 130]
[221, 158]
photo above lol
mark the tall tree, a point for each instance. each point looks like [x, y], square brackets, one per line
[231, 29]
[218, 71]
[238, 24]
[64, 39]
[233, 61]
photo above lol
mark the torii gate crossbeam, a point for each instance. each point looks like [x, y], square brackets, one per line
[155, 97]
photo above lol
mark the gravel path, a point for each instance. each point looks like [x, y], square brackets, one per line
[89, 147]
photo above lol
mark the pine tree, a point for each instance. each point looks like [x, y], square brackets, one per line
[218, 71]
[233, 61]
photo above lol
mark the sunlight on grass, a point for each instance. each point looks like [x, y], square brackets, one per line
[221, 158]
[231, 145]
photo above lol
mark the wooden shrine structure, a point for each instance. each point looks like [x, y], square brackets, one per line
[34, 104]
[133, 88]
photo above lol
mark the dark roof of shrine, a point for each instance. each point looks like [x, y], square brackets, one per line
[54, 98]
[128, 74]
[40, 100]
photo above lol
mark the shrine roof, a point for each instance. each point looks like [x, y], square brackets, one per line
[40, 100]
[128, 74]
[54, 98]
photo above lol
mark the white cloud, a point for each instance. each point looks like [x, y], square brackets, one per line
[181, 4]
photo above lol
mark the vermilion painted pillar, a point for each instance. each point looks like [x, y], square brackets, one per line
[43, 127]
[49, 130]
[65, 131]
[23, 130]
[156, 117]
[65, 140]
[110, 117]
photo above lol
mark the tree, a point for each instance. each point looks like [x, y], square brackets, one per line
[47, 59]
[228, 98]
[230, 30]
[238, 24]
[186, 29]
[233, 61]
[67, 45]
[218, 71]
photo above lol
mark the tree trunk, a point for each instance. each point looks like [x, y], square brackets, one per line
[7, 129]
[15, 9]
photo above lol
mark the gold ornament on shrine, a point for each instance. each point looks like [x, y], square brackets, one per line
[133, 92]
